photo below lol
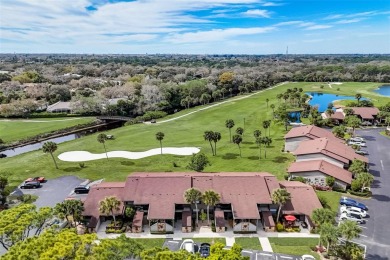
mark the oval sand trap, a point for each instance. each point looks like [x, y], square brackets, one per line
[82, 156]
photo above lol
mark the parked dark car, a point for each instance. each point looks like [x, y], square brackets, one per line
[362, 152]
[30, 185]
[352, 203]
[81, 189]
[204, 250]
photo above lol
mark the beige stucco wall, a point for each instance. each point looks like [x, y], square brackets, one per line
[319, 156]
[318, 178]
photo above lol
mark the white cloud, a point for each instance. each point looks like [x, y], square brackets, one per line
[347, 21]
[288, 23]
[318, 27]
[271, 4]
[257, 13]
[216, 35]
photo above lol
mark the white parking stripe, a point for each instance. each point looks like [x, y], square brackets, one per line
[362, 227]
[363, 235]
[287, 257]
[383, 168]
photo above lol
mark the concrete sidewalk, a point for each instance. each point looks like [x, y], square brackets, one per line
[265, 244]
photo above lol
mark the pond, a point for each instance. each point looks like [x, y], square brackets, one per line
[383, 90]
[322, 100]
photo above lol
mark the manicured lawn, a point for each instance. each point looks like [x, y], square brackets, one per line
[14, 130]
[184, 132]
[294, 246]
[150, 242]
[333, 198]
[209, 240]
[249, 243]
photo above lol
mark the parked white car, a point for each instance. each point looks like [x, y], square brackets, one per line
[357, 139]
[188, 245]
[351, 217]
[354, 210]
[357, 143]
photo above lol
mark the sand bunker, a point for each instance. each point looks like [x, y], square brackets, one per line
[82, 156]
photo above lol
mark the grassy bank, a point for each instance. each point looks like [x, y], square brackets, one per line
[294, 246]
[249, 243]
[183, 132]
[13, 130]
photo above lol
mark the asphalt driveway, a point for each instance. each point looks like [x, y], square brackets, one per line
[54, 190]
[376, 231]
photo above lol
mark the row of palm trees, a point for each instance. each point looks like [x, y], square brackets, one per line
[209, 198]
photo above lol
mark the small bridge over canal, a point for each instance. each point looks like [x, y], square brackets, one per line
[114, 118]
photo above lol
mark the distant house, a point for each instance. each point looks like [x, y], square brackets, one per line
[329, 150]
[60, 107]
[304, 133]
[316, 171]
[245, 203]
[365, 114]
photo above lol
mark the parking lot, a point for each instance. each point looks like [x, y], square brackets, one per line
[55, 191]
[174, 245]
[376, 235]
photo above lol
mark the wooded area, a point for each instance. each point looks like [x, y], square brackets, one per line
[131, 85]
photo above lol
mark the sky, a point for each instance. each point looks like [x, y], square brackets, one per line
[195, 26]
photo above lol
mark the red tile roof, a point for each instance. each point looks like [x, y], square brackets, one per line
[310, 131]
[322, 166]
[219, 218]
[100, 192]
[365, 112]
[138, 218]
[303, 198]
[329, 147]
[338, 115]
[162, 191]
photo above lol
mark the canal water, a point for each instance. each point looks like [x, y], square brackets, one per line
[60, 139]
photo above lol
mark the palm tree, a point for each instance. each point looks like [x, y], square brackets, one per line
[329, 234]
[208, 136]
[266, 141]
[266, 124]
[279, 97]
[239, 130]
[160, 137]
[102, 139]
[72, 208]
[237, 139]
[349, 230]
[193, 196]
[50, 147]
[229, 124]
[358, 97]
[216, 137]
[365, 179]
[109, 205]
[322, 215]
[353, 121]
[210, 198]
[257, 133]
[280, 197]
[387, 120]
[273, 109]
[259, 143]
[267, 100]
